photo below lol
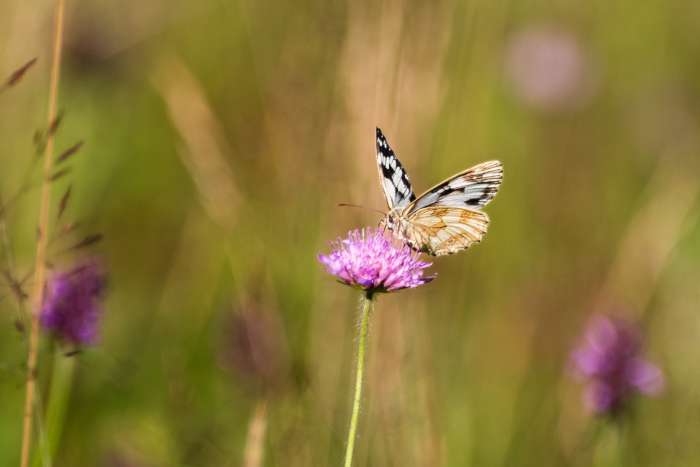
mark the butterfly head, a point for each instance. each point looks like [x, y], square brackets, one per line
[390, 221]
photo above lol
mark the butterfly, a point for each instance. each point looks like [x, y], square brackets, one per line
[445, 219]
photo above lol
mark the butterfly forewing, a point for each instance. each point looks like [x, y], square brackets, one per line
[474, 188]
[395, 183]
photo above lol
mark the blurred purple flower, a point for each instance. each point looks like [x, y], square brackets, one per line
[72, 307]
[548, 68]
[369, 260]
[610, 358]
[254, 346]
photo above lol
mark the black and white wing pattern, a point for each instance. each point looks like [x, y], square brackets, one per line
[395, 183]
[473, 189]
[445, 219]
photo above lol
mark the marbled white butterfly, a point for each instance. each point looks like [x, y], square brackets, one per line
[445, 219]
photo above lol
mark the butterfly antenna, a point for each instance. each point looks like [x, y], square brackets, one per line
[348, 205]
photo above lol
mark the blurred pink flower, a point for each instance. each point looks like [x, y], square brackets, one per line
[548, 68]
[610, 359]
[72, 305]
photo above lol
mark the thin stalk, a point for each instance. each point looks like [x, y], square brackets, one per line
[584, 453]
[359, 373]
[254, 446]
[10, 259]
[40, 259]
[56, 407]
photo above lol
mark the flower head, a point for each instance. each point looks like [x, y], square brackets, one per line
[610, 358]
[72, 308]
[367, 259]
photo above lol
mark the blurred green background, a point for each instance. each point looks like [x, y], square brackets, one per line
[219, 137]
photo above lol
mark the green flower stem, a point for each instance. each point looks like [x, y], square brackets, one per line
[359, 373]
[57, 405]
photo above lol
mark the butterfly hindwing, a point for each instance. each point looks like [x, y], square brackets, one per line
[474, 188]
[445, 230]
[395, 183]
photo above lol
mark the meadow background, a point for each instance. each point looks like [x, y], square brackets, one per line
[219, 138]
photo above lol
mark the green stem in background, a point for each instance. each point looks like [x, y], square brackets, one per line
[59, 395]
[612, 447]
[584, 452]
[359, 373]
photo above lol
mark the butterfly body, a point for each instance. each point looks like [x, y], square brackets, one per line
[445, 219]
[395, 221]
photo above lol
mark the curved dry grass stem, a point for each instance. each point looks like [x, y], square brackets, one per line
[206, 149]
[40, 259]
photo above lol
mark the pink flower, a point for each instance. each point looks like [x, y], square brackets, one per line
[610, 358]
[369, 260]
[72, 307]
